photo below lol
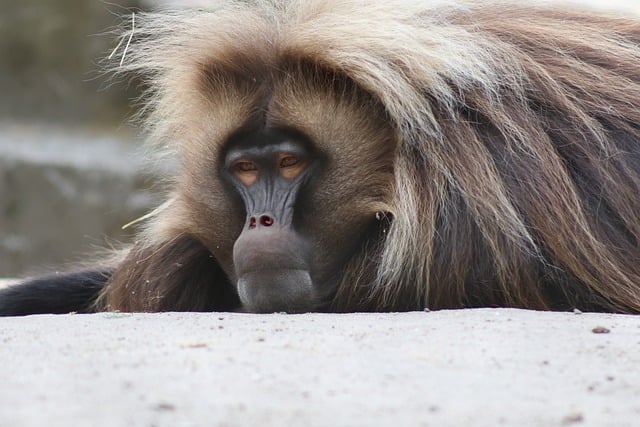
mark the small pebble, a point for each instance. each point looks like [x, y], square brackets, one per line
[572, 419]
[165, 407]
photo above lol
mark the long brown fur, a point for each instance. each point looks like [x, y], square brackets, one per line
[499, 146]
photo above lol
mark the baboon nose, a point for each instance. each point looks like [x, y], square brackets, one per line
[264, 220]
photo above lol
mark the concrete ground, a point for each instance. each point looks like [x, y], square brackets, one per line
[484, 367]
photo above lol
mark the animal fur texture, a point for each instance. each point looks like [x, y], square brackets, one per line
[509, 167]
[514, 132]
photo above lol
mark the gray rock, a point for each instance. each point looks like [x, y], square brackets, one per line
[64, 194]
[50, 51]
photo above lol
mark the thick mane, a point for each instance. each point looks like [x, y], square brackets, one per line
[517, 175]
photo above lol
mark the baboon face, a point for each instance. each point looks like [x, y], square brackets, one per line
[272, 256]
[299, 182]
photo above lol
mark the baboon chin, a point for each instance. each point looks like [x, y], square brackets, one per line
[340, 155]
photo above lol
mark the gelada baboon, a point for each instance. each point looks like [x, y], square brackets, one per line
[348, 155]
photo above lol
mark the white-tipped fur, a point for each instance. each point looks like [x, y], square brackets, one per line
[424, 62]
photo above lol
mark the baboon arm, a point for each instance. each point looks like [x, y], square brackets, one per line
[59, 293]
[178, 275]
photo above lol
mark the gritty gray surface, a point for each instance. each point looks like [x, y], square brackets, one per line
[483, 367]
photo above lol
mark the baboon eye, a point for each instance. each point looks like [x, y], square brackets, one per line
[291, 166]
[245, 171]
[244, 166]
[288, 161]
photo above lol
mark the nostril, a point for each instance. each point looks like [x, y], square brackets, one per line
[266, 220]
[252, 222]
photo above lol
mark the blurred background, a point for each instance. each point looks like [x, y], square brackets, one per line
[71, 173]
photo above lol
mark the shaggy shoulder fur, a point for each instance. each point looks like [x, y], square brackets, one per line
[513, 132]
[517, 176]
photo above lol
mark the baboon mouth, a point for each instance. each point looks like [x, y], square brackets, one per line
[274, 290]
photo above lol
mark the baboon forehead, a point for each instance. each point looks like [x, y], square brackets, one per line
[289, 92]
[313, 67]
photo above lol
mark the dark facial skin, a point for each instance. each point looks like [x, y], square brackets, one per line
[268, 169]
